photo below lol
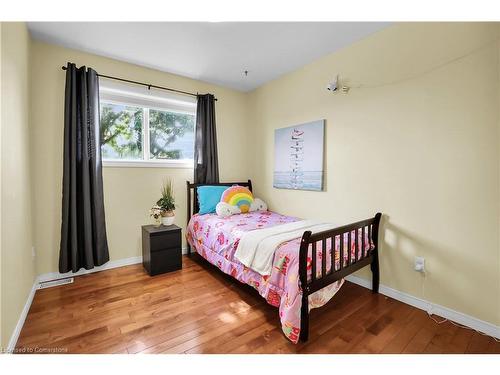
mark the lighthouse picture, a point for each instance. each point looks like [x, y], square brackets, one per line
[298, 157]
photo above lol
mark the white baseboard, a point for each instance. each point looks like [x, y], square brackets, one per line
[457, 317]
[109, 265]
[20, 323]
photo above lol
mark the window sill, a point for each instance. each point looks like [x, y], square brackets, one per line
[185, 164]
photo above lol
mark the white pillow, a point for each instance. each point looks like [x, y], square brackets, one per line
[224, 209]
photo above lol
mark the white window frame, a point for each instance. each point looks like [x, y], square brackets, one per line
[113, 93]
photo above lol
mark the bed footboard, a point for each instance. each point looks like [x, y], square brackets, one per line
[348, 263]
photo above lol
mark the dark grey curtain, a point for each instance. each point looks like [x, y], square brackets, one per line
[83, 230]
[206, 164]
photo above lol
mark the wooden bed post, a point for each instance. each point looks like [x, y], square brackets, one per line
[304, 310]
[375, 265]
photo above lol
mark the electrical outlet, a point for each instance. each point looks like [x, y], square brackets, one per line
[419, 264]
[33, 252]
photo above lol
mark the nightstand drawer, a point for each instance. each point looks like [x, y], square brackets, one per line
[165, 241]
[166, 260]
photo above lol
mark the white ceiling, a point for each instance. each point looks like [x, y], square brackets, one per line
[218, 53]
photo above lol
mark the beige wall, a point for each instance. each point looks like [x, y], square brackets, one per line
[2, 334]
[129, 192]
[17, 264]
[498, 269]
[422, 148]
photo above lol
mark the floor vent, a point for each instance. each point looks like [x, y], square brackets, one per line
[50, 284]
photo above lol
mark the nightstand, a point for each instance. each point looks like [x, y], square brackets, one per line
[161, 248]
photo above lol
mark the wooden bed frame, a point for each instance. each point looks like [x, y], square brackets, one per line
[367, 227]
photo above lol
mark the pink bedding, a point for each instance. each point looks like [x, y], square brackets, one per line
[216, 240]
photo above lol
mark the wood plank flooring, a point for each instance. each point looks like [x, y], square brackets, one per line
[200, 310]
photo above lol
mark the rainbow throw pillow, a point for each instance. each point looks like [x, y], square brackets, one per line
[238, 196]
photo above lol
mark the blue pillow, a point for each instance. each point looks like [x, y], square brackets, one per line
[208, 197]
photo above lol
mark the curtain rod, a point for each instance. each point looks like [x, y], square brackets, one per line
[148, 85]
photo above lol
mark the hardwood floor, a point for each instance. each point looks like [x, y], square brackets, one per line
[200, 310]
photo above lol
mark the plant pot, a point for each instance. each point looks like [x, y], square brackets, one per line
[168, 218]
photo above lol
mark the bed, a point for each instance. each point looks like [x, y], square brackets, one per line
[296, 283]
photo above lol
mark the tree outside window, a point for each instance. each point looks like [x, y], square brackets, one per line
[123, 133]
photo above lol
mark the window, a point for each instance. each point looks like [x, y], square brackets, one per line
[121, 131]
[143, 128]
[171, 135]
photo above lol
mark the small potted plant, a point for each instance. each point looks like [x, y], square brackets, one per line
[166, 204]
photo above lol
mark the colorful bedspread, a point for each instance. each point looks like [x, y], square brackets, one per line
[216, 240]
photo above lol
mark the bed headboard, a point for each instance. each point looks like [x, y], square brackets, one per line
[192, 194]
